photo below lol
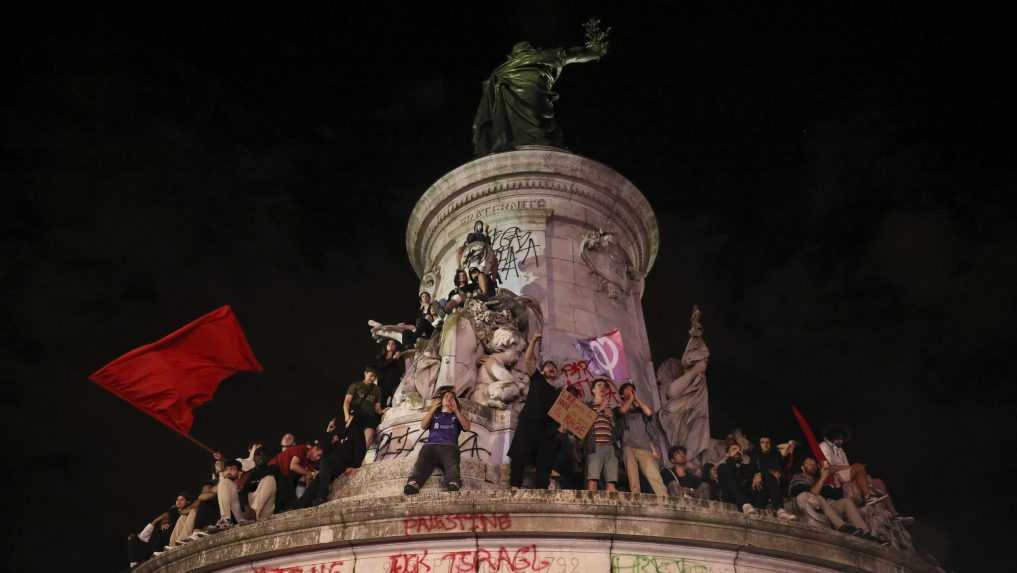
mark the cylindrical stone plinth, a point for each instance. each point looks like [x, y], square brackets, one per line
[570, 233]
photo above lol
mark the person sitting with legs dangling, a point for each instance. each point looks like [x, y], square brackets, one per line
[444, 421]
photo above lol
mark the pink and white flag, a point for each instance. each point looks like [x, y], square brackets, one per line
[605, 355]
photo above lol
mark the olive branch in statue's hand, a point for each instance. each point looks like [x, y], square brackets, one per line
[596, 39]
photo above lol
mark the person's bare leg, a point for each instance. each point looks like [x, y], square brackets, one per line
[368, 437]
[861, 478]
[591, 485]
[610, 487]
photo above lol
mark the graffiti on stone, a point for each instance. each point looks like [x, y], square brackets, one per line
[635, 563]
[515, 248]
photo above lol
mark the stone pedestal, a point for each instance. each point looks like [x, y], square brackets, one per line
[549, 212]
[532, 531]
[543, 205]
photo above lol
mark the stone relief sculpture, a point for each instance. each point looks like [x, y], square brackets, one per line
[479, 353]
[606, 259]
[430, 281]
[517, 100]
[685, 415]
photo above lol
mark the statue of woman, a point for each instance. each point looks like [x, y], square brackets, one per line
[517, 100]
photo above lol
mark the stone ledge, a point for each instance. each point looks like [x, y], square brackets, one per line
[557, 516]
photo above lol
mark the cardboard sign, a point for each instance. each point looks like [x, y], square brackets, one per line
[570, 412]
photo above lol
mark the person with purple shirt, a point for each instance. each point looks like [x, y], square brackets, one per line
[443, 421]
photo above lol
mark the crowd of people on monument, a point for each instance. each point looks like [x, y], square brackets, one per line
[623, 450]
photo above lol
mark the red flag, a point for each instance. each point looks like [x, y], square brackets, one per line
[169, 378]
[809, 436]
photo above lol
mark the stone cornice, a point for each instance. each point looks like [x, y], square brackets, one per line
[585, 190]
[536, 513]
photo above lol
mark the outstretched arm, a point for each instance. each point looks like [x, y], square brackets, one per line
[581, 54]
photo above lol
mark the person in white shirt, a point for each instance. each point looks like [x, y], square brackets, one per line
[843, 470]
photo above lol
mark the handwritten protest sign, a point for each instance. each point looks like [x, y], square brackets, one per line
[570, 412]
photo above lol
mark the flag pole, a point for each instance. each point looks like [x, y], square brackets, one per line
[198, 443]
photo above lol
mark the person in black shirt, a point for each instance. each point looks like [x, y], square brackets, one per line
[735, 476]
[344, 450]
[679, 478]
[535, 438]
[768, 466]
[390, 368]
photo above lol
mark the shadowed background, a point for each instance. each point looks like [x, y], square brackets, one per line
[831, 185]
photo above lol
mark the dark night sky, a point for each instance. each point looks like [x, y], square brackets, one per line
[831, 185]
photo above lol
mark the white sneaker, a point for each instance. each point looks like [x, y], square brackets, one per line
[781, 514]
[747, 508]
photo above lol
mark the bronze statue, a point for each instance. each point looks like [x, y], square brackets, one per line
[517, 101]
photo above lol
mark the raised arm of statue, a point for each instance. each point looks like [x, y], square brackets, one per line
[581, 54]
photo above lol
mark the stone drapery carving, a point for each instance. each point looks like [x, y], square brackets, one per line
[478, 352]
[685, 415]
[606, 259]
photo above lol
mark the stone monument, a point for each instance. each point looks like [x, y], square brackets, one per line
[565, 244]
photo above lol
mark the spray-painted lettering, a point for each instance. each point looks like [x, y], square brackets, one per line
[515, 248]
[482, 522]
[632, 563]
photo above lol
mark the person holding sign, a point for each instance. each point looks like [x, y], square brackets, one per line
[601, 459]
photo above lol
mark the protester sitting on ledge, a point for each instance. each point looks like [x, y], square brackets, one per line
[823, 503]
[832, 446]
[601, 459]
[710, 488]
[444, 421]
[768, 466]
[156, 533]
[735, 477]
[364, 402]
[228, 494]
[258, 486]
[680, 479]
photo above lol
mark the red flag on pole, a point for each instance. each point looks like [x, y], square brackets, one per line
[809, 436]
[168, 379]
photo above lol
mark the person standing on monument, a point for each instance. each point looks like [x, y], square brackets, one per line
[535, 438]
[735, 476]
[768, 466]
[363, 404]
[444, 421]
[601, 458]
[638, 437]
[390, 368]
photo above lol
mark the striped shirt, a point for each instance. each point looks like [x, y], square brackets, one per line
[603, 428]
